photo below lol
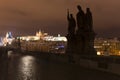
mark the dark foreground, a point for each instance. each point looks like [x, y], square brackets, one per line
[26, 67]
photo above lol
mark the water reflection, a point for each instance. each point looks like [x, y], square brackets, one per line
[9, 53]
[27, 68]
[33, 68]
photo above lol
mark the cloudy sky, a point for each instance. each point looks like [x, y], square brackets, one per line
[25, 17]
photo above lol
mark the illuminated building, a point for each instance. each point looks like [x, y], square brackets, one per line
[43, 36]
[7, 40]
[57, 44]
[44, 43]
[52, 38]
[107, 46]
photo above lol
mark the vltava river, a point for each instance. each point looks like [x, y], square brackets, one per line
[27, 67]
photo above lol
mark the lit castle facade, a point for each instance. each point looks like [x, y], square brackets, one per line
[44, 43]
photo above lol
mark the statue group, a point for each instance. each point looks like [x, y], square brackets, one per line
[80, 33]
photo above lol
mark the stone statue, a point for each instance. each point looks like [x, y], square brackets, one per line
[71, 24]
[81, 40]
[80, 18]
[89, 20]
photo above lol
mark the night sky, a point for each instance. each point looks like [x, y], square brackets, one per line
[25, 17]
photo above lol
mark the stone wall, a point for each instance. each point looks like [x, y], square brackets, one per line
[108, 63]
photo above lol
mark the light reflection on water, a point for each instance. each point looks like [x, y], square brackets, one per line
[27, 68]
[33, 68]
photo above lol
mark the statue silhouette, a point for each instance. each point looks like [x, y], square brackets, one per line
[71, 24]
[81, 24]
[89, 20]
[80, 18]
[80, 40]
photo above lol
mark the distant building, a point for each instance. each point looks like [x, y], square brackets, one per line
[44, 43]
[43, 36]
[107, 46]
[7, 40]
[57, 44]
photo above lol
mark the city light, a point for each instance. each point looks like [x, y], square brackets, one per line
[8, 39]
[98, 53]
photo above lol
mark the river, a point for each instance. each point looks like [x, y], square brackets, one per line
[28, 67]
